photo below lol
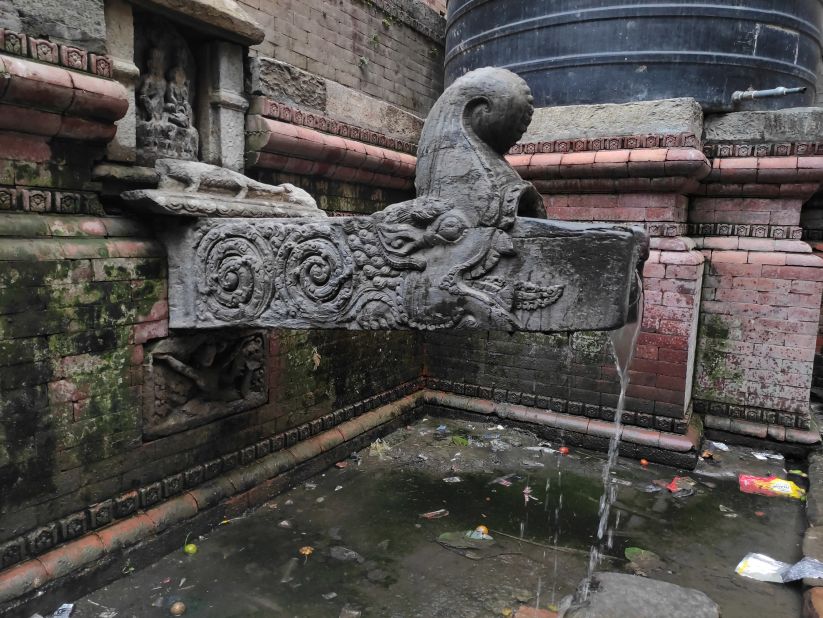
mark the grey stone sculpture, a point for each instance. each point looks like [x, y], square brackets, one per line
[472, 250]
[202, 190]
[164, 94]
[191, 380]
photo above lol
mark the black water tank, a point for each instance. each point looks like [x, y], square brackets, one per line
[601, 51]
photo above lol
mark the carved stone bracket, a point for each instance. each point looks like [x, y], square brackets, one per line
[473, 250]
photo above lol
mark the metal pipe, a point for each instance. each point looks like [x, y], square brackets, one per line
[780, 91]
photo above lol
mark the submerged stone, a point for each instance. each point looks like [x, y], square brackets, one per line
[615, 595]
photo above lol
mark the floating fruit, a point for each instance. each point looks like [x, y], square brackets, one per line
[482, 529]
[644, 462]
[190, 549]
[306, 551]
[563, 450]
[178, 608]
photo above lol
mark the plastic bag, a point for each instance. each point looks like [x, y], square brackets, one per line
[765, 569]
[770, 486]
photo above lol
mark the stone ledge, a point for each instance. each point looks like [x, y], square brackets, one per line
[223, 18]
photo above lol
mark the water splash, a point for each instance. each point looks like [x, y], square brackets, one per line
[624, 340]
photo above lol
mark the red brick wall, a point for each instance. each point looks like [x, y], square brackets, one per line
[758, 332]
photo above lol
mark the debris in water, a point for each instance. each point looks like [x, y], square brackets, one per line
[452, 479]
[766, 455]
[766, 569]
[707, 454]
[178, 608]
[770, 486]
[527, 463]
[330, 595]
[341, 464]
[338, 488]
[64, 611]
[718, 446]
[644, 462]
[350, 612]
[306, 551]
[641, 561]
[378, 448]
[542, 448]
[435, 514]
[285, 524]
[482, 529]
[189, 549]
[499, 446]
[310, 486]
[527, 495]
[423, 457]
[727, 512]
[460, 441]
[288, 570]
[563, 450]
[344, 554]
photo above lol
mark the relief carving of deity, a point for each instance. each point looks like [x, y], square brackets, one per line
[165, 93]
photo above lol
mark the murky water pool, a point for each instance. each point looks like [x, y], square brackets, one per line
[372, 552]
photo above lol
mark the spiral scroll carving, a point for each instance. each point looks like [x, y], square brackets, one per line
[235, 274]
[314, 269]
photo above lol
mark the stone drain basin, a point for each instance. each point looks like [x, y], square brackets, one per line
[373, 553]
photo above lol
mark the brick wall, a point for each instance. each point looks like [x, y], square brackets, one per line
[760, 315]
[355, 43]
[80, 299]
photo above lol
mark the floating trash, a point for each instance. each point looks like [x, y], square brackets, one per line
[452, 479]
[435, 514]
[178, 608]
[766, 569]
[771, 486]
[306, 551]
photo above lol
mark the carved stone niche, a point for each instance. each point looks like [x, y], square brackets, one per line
[165, 93]
[194, 379]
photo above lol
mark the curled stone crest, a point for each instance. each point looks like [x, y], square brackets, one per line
[313, 272]
[234, 273]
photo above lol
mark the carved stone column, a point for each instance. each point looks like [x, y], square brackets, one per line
[221, 106]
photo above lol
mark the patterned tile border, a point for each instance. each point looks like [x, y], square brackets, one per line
[44, 50]
[801, 149]
[777, 232]
[664, 229]
[628, 142]
[285, 113]
[45, 200]
[752, 414]
[558, 404]
[48, 536]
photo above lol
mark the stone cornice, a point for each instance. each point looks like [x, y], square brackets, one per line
[223, 18]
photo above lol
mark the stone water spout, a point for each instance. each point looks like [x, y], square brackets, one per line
[472, 250]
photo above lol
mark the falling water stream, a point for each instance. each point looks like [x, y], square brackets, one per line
[624, 340]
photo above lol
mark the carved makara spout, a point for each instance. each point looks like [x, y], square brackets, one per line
[472, 250]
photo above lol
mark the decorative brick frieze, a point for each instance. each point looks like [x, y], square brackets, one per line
[753, 414]
[624, 142]
[763, 150]
[43, 50]
[777, 232]
[124, 505]
[47, 201]
[268, 108]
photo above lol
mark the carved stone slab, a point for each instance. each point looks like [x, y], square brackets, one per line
[191, 380]
[353, 272]
[472, 250]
